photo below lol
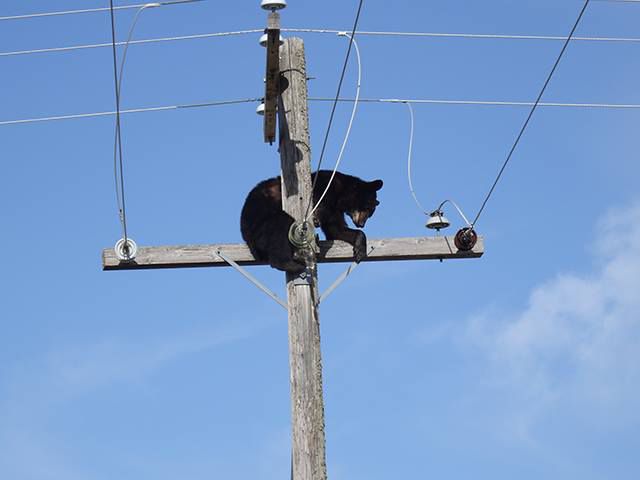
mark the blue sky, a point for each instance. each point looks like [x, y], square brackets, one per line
[522, 364]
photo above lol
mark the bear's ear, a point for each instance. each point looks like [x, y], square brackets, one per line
[376, 185]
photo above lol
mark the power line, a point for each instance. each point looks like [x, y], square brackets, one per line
[489, 103]
[119, 180]
[118, 169]
[346, 138]
[437, 211]
[127, 7]
[333, 108]
[475, 36]
[533, 109]
[134, 42]
[89, 10]
[68, 12]
[133, 110]
[409, 157]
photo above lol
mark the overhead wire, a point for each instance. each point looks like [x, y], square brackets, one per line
[313, 30]
[346, 138]
[464, 217]
[117, 149]
[409, 157]
[134, 42]
[476, 36]
[127, 7]
[335, 104]
[132, 110]
[118, 84]
[118, 171]
[612, 106]
[118, 167]
[496, 103]
[88, 10]
[531, 112]
[409, 177]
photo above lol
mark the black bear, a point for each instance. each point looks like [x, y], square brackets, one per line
[265, 227]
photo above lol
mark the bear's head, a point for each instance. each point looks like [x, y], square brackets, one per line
[361, 202]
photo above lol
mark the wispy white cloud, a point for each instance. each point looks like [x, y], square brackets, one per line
[76, 369]
[36, 392]
[576, 344]
[110, 361]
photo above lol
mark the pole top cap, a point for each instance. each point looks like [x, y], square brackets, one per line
[273, 4]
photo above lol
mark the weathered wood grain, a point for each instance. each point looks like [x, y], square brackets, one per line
[184, 256]
[308, 460]
[272, 77]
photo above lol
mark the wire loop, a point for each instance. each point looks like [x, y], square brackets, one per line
[346, 138]
[409, 157]
[335, 104]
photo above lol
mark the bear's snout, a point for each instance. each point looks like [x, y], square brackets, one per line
[359, 218]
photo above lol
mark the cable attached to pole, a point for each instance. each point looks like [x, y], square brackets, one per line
[611, 106]
[346, 138]
[335, 104]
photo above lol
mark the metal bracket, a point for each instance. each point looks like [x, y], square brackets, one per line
[252, 279]
[304, 279]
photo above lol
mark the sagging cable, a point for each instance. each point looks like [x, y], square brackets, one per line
[346, 138]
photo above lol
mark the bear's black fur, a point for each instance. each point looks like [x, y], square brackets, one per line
[265, 227]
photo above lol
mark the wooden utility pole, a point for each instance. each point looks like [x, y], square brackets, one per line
[307, 409]
[308, 461]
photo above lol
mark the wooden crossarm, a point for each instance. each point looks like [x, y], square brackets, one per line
[184, 256]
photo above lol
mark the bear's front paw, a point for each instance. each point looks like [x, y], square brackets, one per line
[360, 247]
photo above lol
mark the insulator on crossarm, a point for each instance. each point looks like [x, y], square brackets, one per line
[437, 220]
